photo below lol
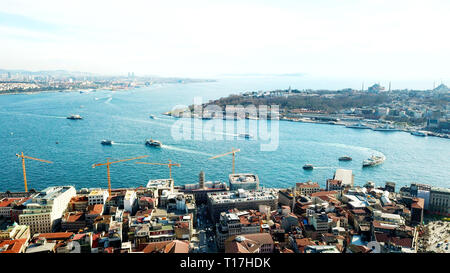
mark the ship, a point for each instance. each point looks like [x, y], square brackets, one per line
[358, 125]
[74, 117]
[345, 158]
[373, 160]
[246, 136]
[386, 128]
[308, 167]
[107, 142]
[153, 143]
[419, 133]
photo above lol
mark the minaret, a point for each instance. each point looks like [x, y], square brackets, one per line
[362, 88]
[389, 86]
[201, 180]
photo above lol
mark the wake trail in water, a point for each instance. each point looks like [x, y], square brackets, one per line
[32, 115]
[127, 144]
[170, 147]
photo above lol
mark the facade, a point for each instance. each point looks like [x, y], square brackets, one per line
[245, 181]
[440, 201]
[97, 197]
[129, 201]
[307, 188]
[46, 208]
[241, 200]
[235, 223]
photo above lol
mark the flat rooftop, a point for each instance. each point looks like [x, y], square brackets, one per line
[236, 196]
[160, 183]
[346, 176]
[51, 193]
[243, 178]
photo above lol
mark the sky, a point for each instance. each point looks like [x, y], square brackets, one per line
[402, 39]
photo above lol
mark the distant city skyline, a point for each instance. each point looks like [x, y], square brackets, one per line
[387, 40]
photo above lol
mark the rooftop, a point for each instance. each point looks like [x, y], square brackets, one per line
[346, 176]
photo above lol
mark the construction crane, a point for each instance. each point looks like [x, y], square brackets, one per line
[108, 164]
[233, 152]
[23, 166]
[170, 164]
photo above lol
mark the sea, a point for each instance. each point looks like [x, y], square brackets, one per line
[36, 125]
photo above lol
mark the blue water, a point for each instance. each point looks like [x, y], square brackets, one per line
[34, 123]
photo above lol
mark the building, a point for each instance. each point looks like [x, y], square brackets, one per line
[341, 180]
[241, 199]
[15, 232]
[73, 221]
[97, 196]
[129, 202]
[307, 188]
[202, 188]
[46, 208]
[235, 223]
[160, 185]
[250, 243]
[390, 187]
[245, 181]
[440, 201]
[417, 209]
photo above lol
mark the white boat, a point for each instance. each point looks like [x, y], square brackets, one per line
[358, 125]
[419, 133]
[373, 160]
[153, 143]
[386, 128]
[74, 117]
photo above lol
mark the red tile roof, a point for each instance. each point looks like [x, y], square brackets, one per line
[55, 235]
[14, 246]
[418, 203]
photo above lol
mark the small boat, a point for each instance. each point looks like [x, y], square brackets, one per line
[107, 142]
[419, 133]
[246, 136]
[308, 167]
[74, 117]
[153, 143]
[345, 158]
[358, 126]
[152, 116]
[386, 128]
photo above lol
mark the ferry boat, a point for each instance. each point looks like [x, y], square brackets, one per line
[419, 133]
[358, 125]
[373, 160]
[74, 117]
[345, 158]
[153, 143]
[107, 142]
[386, 128]
[246, 136]
[308, 167]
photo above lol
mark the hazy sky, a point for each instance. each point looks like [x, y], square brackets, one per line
[326, 38]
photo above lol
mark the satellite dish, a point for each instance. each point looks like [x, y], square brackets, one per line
[374, 246]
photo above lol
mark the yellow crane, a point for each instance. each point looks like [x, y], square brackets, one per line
[108, 164]
[170, 164]
[23, 166]
[233, 152]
